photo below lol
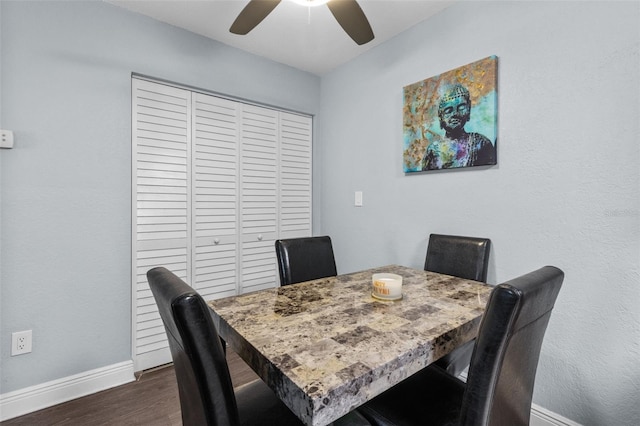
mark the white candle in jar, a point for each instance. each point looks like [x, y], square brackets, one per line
[387, 286]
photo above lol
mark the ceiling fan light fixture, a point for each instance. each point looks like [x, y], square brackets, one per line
[310, 3]
[347, 12]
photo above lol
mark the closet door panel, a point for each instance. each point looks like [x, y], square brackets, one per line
[259, 197]
[258, 267]
[161, 133]
[215, 195]
[295, 175]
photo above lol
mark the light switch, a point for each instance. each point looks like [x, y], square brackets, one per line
[358, 202]
[6, 139]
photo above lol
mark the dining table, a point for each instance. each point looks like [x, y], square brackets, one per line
[327, 346]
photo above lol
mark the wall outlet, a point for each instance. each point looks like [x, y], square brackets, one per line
[20, 342]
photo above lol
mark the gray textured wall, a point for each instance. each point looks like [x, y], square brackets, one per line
[566, 190]
[66, 186]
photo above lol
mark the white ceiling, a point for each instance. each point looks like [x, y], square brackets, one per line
[306, 38]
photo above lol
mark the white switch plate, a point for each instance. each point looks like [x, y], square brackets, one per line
[358, 200]
[6, 139]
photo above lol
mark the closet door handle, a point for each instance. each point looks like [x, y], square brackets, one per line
[216, 240]
[260, 237]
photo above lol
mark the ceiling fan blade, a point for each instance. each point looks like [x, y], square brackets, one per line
[252, 14]
[352, 19]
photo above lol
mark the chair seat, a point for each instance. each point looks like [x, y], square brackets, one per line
[259, 406]
[429, 397]
[456, 361]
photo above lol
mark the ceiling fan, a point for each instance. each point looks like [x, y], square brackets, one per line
[347, 12]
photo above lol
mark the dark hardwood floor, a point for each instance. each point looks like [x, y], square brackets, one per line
[151, 400]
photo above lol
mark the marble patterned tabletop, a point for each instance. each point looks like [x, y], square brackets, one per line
[327, 346]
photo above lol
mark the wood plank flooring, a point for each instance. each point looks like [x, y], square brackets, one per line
[151, 400]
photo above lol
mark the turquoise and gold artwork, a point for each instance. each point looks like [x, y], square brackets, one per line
[450, 120]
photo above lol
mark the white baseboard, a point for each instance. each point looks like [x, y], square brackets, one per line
[34, 398]
[543, 417]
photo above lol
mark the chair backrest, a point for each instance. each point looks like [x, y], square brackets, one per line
[505, 358]
[464, 257]
[204, 383]
[304, 259]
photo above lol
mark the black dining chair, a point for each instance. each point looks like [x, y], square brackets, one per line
[464, 257]
[501, 377]
[206, 393]
[304, 259]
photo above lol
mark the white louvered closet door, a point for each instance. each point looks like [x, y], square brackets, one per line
[161, 131]
[259, 197]
[295, 176]
[215, 196]
[214, 183]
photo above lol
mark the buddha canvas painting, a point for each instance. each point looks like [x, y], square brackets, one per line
[450, 120]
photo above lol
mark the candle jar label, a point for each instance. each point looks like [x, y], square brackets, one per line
[380, 287]
[386, 286]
